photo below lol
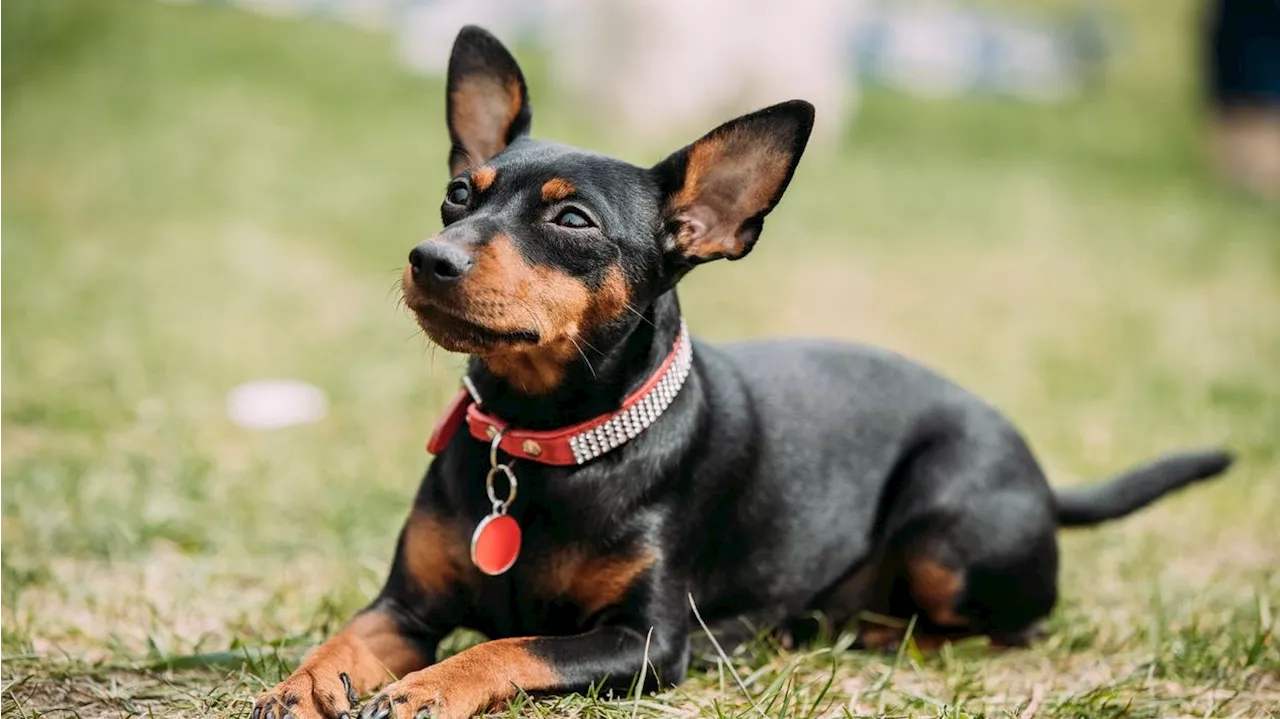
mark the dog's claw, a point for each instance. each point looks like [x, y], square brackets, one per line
[423, 714]
[379, 708]
[352, 698]
[308, 695]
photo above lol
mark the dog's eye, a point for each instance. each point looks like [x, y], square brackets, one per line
[457, 194]
[573, 219]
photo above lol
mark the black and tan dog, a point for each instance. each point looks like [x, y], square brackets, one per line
[602, 468]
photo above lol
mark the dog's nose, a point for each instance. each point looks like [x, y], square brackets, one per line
[437, 263]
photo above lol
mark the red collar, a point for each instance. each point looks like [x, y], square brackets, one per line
[581, 442]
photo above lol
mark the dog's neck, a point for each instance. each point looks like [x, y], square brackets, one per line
[587, 390]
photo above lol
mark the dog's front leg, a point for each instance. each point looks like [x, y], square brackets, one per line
[609, 657]
[371, 651]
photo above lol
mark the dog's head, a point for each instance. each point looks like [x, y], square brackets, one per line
[548, 249]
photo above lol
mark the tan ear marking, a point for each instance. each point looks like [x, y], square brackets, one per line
[482, 110]
[728, 180]
[721, 187]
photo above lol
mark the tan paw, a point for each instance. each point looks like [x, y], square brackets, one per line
[422, 695]
[308, 694]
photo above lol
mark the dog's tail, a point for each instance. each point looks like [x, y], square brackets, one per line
[1135, 489]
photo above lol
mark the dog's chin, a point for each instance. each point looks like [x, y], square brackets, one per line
[456, 333]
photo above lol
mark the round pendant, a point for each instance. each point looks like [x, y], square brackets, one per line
[495, 544]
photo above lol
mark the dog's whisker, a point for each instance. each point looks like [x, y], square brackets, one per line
[533, 316]
[584, 357]
[640, 314]
[471, 159]
[542, 332]
[588, 343]
[397, 287]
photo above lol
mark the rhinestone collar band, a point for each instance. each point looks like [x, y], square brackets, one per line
[582, 442]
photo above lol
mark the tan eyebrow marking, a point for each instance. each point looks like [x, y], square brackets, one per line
[557, 188]
[483, 177]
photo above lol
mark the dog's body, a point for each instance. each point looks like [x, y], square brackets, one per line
[783, 477]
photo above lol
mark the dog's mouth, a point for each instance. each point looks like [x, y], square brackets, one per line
[437, 321]
[458, 333]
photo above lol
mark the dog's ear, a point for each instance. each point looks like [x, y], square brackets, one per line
[719, 189]
[487, 102]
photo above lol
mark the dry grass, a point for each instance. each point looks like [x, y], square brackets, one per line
[195, 198]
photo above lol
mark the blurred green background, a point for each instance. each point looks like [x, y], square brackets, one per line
[196, 197]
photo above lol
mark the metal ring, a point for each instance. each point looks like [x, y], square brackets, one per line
[511, 485]
[471, 390]
[493, 446]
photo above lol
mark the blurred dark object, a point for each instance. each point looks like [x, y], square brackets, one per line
[1243, 82]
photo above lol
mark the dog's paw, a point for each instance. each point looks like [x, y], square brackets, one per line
[879, 638]
[308, 695]
[404, 701]
[426, 695]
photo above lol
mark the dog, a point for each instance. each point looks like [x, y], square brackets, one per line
[602, 474]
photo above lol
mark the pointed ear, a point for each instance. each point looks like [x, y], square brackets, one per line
[719, 189]
[487, 102]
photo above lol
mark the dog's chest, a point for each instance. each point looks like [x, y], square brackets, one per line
[554, 589]
[585, 545]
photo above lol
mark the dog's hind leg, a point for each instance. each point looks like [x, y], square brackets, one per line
[961, 575]
[970, 544]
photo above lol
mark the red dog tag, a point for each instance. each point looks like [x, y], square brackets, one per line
[495, 544]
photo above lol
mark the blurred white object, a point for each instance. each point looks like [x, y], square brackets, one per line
[427, 27]
[273, 404]
[664, 66]
[669, 69]
[934, 48]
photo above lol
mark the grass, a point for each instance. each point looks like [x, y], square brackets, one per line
[196, 197]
